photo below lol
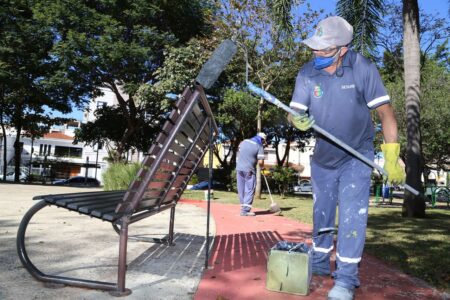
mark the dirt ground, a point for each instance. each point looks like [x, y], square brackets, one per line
[64, 243]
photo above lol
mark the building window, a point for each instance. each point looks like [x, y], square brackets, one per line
[101, 104]
[41, 149]
[61, 151]
[49, 149]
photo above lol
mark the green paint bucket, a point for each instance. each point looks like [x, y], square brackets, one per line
[289, 268]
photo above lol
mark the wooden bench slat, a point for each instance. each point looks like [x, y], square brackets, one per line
[199, 113]
[158, 184]
[148, 202]
[183, 140]
[56, 197]
[189, 131]
[101, 207]
[173, 157]
[109, 215]
[73, 202]
[179, 149]
[155, 200]
[76, 205]
[195, 121]
[168, 167]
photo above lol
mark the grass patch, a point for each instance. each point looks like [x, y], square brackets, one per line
[419, 247]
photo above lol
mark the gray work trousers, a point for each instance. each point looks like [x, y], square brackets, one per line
[246, 182]
[347, 187]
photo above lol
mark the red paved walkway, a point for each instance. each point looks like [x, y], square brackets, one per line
[239, 256]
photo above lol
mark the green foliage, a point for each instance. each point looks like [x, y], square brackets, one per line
[193, 180]
[365, 17]
[27, 69]
[119, 176]
[283, 177]
[268, 57]
[119, 46]
[232, 185]
[110, 125]
[182, 64]
[435, 110]
[236, 115]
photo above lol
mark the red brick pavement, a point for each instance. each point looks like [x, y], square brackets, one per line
[239, 256]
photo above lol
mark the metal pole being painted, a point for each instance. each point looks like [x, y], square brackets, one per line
[210, 176]
[270, 98]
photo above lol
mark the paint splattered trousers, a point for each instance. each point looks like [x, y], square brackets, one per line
[347, 188]
[246, 182]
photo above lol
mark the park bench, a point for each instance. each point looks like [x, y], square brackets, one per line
[165, 172]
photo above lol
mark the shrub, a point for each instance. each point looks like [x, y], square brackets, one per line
[193, 180]
[232, 185]
[283, 177]
[119, 176]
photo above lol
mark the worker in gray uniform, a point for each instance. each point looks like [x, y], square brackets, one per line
[251, 151]
[337, 90]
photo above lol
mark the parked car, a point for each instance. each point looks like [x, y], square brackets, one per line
[204, 186]
[304, 187]
[78, 181]
[443, 194]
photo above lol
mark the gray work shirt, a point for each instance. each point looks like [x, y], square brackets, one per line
[249, 153]
[340, 104]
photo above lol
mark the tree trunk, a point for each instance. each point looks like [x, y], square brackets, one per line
[2, 124]
[4, 149]
[17, 155]
[413, 206]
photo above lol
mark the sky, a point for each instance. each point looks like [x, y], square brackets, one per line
[440, 7]
[429, 6]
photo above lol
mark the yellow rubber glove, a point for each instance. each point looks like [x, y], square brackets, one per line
[396, 174]
[302, 122]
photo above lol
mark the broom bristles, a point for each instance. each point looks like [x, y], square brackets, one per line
[274, 207]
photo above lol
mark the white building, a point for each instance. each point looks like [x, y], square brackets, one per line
[53, 155]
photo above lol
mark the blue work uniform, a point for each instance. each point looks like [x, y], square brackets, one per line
[340, 104]
[250, 151]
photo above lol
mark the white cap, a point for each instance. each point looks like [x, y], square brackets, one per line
[332, 31]
[262, 135]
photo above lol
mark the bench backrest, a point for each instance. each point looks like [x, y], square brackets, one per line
[174, 157]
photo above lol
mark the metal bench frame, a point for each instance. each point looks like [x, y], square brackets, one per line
[160, 182]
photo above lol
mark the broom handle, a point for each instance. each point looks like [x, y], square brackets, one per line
[270, 98]
[267, 184]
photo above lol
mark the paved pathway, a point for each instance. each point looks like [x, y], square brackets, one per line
[238, 262]
[68, 244]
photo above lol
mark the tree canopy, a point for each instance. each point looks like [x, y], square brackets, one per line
[119, 46]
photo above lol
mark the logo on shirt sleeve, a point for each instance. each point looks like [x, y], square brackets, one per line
[317, 91]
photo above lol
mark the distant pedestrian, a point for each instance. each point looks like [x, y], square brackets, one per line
[251, 151]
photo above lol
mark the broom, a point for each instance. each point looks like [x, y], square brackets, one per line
[273, 206]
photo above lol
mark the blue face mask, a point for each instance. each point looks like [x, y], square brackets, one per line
[321, 62]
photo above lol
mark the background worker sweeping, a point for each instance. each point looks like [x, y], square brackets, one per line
[250, 152]
[338, 88]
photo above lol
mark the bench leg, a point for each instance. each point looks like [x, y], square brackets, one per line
[122, 267]
[171, 225]
[33, 270]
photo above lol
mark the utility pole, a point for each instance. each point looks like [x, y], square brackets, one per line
[96, 161]
[86, 173]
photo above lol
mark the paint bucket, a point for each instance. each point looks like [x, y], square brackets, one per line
[289, 268]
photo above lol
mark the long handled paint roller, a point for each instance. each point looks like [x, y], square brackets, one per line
[273, 206]
[270, 98]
